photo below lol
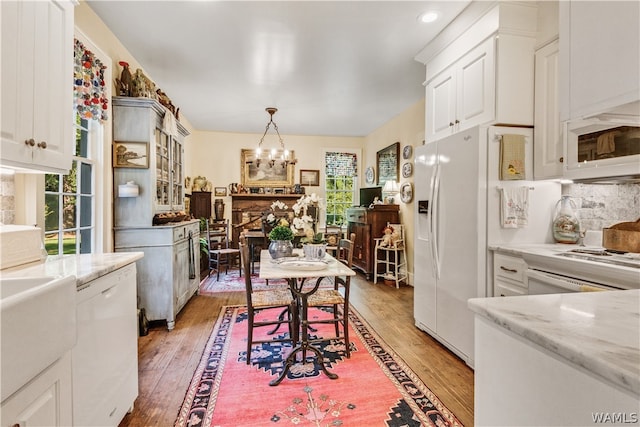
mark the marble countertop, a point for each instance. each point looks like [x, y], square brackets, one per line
[598, 331]
[85, 267]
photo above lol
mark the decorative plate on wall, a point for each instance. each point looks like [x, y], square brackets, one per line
[370, 175]
[407, 151]
[406, 192]
[407, 170]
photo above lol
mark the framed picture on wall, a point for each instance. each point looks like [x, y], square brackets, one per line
[263, 173]
[388, 163]
[130, 155]
[220, 191]
[309, 177]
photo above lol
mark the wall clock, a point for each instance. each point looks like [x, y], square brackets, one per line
[370, 175]
[406, 192]
[407, 151]
[407, 170]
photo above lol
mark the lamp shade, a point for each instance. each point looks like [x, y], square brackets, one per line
[391, 187]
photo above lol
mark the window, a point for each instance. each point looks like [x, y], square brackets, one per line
[341, 172]
[70, 199]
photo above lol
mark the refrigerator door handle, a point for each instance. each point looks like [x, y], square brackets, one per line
[434, 220]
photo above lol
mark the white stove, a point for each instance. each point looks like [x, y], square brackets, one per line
[590, 266]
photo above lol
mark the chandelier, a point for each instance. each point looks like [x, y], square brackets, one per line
[273, 156]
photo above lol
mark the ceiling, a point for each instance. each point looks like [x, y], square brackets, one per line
[335, 68]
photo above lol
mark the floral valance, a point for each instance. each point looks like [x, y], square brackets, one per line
[341, 164]
[89, 95]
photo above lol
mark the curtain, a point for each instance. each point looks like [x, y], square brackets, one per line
[341, 164]
[89, 95]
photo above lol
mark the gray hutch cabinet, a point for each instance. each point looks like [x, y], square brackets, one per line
[168, 275]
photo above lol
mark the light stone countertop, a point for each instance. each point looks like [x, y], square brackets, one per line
[597, 331]
[85, 267]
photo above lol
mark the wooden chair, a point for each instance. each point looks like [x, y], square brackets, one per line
[220, 252]
[391, 256]
[336, 300]
[278, 298]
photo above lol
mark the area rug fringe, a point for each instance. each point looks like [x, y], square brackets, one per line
[408, 384]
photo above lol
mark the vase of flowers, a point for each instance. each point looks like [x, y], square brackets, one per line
[307, 211]
[281, 245]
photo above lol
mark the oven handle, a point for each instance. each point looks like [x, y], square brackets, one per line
[571, 285]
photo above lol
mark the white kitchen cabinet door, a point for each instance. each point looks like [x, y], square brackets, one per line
[463, 95]
[547, 134]
[476, 87]
[441, 105]
[44, 401]
[37, 97]
[600, 45]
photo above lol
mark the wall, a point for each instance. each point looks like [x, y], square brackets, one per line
[602, 205]
[216, 155]
[407, 128]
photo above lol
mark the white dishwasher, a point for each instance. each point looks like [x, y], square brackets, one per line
[105, 358]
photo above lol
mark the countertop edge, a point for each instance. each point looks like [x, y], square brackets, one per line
[85, 267]
[493, 309]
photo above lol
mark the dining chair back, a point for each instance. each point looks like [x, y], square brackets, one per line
[257, 301]
[337, 300]
[221, 254]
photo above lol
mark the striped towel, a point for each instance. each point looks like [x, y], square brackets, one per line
[512, 157]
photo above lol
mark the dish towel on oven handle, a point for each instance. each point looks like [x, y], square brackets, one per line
[514, 207]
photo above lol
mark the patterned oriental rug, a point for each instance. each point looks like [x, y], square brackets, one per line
[374, 387]
[232, 282]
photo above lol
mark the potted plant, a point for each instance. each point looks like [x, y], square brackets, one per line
[281, 237]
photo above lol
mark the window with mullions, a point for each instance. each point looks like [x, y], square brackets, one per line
[341, 172]
[69, 199]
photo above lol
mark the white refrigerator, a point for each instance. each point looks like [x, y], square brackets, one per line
[457, 215]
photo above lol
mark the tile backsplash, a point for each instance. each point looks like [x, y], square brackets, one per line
[602, 205]
[7, 199]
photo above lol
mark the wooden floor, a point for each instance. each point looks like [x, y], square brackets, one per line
[167, 360]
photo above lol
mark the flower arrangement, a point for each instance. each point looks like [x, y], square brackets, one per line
[271, 218]
[306, 210]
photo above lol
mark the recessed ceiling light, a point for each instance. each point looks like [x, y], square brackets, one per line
[428, 17]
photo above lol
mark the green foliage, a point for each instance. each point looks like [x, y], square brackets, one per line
[204, 249]
[281, 232]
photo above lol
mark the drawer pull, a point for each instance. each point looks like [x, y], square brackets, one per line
[510, 270]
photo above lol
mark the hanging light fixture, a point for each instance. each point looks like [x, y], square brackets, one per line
[273, 155]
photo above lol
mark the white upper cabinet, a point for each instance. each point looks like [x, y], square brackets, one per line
[457, 98]
[484, 75]
[600, 56]
[37, 85]
[547, 134]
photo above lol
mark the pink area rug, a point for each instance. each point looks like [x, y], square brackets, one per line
[375, 387]
[232, 282]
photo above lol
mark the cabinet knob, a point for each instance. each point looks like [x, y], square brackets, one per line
[30, 142]
[42, 145]
[457, 121]
[450, 123]
[561, 159]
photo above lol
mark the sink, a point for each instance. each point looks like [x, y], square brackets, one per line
[37, 326]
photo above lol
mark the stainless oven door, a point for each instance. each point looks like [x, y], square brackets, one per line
[543, 282]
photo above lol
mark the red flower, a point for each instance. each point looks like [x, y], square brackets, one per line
[124, 63]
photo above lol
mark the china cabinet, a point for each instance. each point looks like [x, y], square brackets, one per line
[161, 183]
[491, 81]
[167, 275]
[37, 91]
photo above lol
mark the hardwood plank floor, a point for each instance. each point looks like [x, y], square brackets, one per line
[167, 360]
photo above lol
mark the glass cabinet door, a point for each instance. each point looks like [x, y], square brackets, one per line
[163, 175]
[176, 168]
